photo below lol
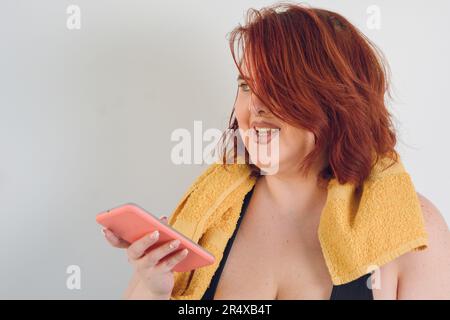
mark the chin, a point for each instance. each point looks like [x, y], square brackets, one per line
[267, 167]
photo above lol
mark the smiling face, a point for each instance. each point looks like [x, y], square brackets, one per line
[326, 85]
[261, 129]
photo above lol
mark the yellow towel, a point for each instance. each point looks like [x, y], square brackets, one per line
[357, 231]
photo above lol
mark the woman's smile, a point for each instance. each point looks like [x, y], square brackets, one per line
[263, 132]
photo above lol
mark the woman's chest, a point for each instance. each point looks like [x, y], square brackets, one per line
[274, 257]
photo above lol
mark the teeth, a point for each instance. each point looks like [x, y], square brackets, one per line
[264, 131]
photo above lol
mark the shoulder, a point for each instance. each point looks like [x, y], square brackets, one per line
[434, 221]
[433, 218]
[437, 229]
[435, 225]
[422, 273]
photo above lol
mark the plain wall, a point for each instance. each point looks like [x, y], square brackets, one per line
[86, 118]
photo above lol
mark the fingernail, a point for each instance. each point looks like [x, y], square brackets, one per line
[174, 244]
[184, 252]
[154, 235]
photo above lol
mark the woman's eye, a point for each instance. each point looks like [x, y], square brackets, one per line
[244, 87]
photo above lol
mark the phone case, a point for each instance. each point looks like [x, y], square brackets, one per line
[131, 222]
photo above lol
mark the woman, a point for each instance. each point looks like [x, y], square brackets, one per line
[314, 78]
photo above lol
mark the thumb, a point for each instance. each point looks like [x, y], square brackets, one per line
[164, 219]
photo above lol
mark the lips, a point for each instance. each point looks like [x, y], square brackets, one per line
[263, 132]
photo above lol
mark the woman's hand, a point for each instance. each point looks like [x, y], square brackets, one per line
[153, 265]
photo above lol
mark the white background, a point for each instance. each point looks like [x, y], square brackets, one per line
[86, 117]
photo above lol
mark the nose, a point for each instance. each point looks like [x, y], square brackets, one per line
[256, 107]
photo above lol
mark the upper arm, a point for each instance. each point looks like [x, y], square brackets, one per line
[426, 274]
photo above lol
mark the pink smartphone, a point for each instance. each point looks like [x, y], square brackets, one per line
[131, 222]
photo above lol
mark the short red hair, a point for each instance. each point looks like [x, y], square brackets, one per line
[313, 69]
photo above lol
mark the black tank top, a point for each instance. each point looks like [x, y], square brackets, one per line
[355, 290]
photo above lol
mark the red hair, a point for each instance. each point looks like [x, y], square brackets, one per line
[313, 69]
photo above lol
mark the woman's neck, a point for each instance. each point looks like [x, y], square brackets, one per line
[295, 193]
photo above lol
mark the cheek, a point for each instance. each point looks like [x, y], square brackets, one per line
[242, 113]
[296, 142]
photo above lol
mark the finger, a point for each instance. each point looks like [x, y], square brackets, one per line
[167, 264]
[114, 240]
[138, 248]
[152, 258]
[164, 219]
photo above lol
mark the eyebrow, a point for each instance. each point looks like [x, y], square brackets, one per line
[239, 77]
